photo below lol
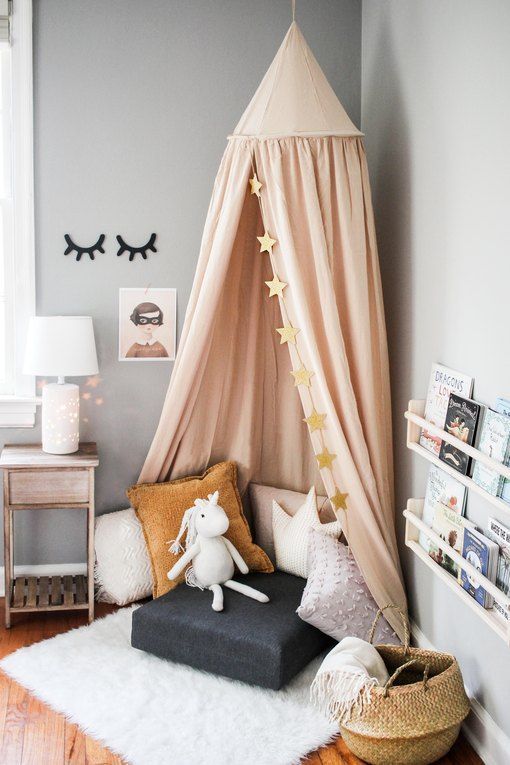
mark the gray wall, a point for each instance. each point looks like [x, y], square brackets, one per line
[133, 103]
[436, 113]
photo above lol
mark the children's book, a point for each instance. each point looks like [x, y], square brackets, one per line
[450, 526]
[501, 534]
[503, 407]
[441, 487]
[482, 553]
[461, 421]
[494, 441]
[443, 381]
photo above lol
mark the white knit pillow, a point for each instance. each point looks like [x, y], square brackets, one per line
[291, 534]
[122, 571]
[261, 501]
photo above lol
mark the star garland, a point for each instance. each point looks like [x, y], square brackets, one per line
[301, 376]
[266, 243]
[339, 500]
[315, 421]
[276, 287]
[325, 458]
[255, 185]
[288, 333]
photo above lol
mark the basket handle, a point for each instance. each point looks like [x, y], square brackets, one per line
[401, 669]
[404, 622]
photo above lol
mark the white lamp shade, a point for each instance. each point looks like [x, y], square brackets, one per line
[60, 346]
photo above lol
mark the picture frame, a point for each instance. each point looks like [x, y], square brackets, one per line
[147, 324]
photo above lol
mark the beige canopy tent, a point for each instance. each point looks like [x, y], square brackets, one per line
[255, 361]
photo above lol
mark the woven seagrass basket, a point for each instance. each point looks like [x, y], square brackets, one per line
[416, 718]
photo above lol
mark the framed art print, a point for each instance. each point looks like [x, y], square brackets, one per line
[147, 323]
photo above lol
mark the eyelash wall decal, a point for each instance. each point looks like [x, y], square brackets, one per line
[72, 247]
[124, 247]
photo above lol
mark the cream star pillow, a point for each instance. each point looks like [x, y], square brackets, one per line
[291, 534]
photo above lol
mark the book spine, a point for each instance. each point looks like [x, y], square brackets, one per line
[504, 489]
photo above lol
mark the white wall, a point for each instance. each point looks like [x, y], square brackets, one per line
[436, 114]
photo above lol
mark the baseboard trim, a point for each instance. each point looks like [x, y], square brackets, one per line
[483, 733]
[48, 569]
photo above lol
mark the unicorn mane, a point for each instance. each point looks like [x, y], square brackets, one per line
[188, 524]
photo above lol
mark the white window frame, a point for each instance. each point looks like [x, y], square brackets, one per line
[17, 408]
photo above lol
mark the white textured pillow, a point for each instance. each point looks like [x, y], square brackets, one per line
[261, 501]
[291, 534]
[122, 571]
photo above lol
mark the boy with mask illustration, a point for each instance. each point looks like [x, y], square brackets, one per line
[147, 317]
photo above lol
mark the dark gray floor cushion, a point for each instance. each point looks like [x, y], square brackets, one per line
[263, 644]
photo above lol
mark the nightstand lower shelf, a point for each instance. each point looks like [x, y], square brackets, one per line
[49, 593]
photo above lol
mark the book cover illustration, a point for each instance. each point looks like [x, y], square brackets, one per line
[481, 553]
[443, 381]
[461, 420]
[444, 488]
[494, 441]
[501, 535]
[450, 526]
[503, 407]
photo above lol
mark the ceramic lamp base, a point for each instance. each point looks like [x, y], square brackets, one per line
[60, 418]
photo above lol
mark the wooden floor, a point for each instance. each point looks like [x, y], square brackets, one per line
[31, 734]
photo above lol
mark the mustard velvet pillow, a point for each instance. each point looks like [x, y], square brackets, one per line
[160, 507]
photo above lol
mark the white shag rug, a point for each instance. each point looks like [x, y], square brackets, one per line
[153, 712]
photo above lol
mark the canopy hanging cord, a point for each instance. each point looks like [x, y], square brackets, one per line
[293, 10]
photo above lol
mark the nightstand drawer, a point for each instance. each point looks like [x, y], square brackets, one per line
[37, 487]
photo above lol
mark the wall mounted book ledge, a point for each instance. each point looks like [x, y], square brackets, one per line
[415, 525]
[415, 423]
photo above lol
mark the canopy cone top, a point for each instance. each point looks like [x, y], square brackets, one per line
[294, 97]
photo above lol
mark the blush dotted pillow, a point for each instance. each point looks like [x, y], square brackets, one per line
[336, 598]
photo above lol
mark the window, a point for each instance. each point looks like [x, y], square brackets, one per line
[17, 293]
[6, 221]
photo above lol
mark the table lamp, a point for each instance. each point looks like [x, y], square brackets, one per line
[60, 346]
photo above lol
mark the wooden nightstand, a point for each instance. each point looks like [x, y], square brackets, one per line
[34, 479]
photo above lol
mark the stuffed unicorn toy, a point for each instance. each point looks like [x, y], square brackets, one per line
[212, 555]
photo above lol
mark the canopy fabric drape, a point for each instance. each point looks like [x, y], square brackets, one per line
[231, 394]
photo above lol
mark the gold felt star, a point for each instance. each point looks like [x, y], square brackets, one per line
[266, 243]
[288, 334]
[276, 287]
[325, 458]
[315, 421]
[255, 185]
[302, 376]
[339, 500]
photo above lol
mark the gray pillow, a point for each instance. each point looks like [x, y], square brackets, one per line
[336, 599]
